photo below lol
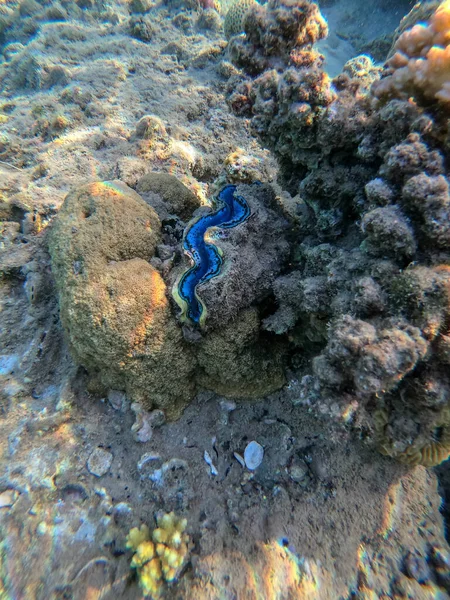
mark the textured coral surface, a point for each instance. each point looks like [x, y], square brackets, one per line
[369, 291]
[113, 302]
[115, 305]
[420, 64]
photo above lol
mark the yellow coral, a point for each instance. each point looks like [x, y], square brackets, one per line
[137, 536]
[161, 559]
[234, 19]
[144, 553]
[150, 578]
[171, 544]
[420, 66]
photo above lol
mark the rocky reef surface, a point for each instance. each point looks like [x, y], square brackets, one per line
[281, 447]
[371, 276]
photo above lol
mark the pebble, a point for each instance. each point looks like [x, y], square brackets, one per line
[99, 462]
[141, 429]
[226, 408]
[8, 363]
[298, 471]
[122, 508]
[253, 455]
[42, 528]
[157, 418]
[7, 498]
[118, 400]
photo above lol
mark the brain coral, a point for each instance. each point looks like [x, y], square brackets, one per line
[234, 19]
[113, 302]
[420, 65]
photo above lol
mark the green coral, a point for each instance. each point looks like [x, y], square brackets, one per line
[158, 558]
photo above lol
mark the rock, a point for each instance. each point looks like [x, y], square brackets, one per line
[141, 429]
[99, 462]
[298, 471]
[145, 422]
[178, 199]
[7, 498]
[226, 407]
[157, 418]
[253, 455]
[117, 400]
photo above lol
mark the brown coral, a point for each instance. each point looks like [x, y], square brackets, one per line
[113, 302]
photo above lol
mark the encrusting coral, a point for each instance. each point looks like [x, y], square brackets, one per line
[284, 90]
[420, 65]
[159, 556]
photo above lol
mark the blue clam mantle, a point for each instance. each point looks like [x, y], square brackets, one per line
[206, 257]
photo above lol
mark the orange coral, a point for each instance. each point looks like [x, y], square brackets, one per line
[420, 66]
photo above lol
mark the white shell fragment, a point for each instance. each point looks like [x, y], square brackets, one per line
[208, 461]
[239, 458]
[147, 457]
[253, 455]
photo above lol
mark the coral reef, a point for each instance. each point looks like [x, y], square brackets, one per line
[158, 557]
[284, 90]
[420, 64]
[367, 297]
[114, 260]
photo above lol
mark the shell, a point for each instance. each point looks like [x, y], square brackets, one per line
[239, 458]
[253, 455]
[208, 461]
